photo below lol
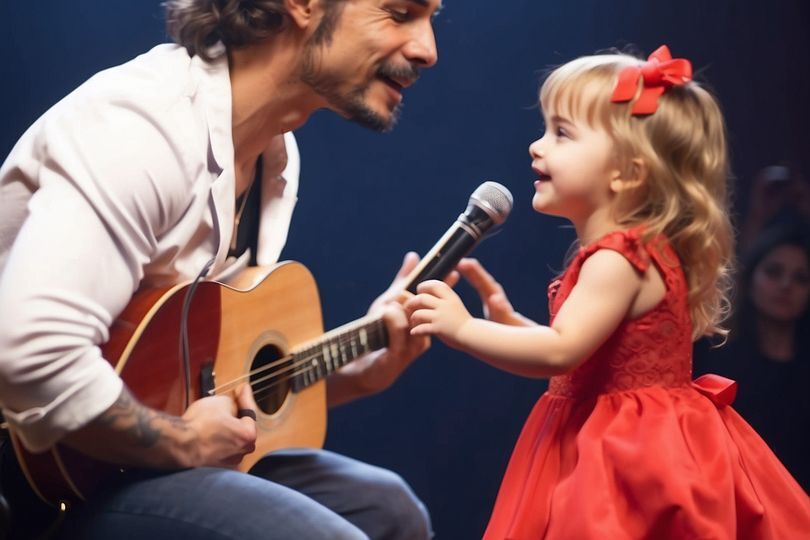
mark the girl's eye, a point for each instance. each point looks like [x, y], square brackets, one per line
[561, 132]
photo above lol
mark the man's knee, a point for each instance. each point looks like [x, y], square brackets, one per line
[390, 496]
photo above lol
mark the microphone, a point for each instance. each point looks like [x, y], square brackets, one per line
[489, 205]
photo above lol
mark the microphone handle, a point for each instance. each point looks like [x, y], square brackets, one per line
[456, 243]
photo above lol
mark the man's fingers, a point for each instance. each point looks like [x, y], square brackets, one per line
[244, 397]
[395, 292]
[394, 315]
[409, 262]
[246, 413]
[247, 409]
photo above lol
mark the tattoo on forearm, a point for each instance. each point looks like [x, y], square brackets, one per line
[140, 423]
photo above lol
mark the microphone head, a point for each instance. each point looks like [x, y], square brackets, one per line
[494, 199]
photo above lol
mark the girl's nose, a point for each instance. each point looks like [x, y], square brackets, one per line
[536, 150]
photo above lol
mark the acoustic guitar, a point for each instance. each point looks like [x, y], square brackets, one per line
[175, 345]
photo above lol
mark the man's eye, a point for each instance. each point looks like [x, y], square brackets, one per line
[400, 16]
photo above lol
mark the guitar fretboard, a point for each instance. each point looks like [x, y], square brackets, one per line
[333, 350]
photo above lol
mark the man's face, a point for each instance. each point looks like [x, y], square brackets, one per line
[362, 57]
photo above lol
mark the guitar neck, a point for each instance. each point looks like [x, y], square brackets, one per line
[336, 348]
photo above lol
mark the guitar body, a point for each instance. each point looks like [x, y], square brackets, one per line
[247, 326]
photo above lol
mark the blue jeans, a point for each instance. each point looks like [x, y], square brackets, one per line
[293, 494]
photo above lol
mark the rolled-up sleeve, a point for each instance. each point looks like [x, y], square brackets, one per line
[110, 180]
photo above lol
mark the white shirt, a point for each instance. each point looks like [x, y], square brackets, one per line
[128, 182]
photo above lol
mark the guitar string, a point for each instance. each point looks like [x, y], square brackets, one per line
[258, 392]
[340, 341]
[309, 367]
[305, 359]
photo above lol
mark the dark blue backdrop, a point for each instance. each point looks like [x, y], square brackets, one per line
[448, 425]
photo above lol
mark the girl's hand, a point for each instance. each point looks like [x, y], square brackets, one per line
[497, 307]
[437, 310]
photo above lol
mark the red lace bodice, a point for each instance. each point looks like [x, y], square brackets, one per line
[653, 349]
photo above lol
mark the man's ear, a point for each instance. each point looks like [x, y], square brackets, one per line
[632, 177]
[301, 12]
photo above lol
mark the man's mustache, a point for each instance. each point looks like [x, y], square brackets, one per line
[406, 72]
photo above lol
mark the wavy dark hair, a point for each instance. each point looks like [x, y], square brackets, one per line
[199, 24]
[744, 319]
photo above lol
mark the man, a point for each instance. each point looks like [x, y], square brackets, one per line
[144, 176]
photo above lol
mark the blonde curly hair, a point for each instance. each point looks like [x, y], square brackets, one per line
[685, 195]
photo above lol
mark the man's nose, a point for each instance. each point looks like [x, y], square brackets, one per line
[421, 48]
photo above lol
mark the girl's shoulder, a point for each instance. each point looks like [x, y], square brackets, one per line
[638, 248]
[628, 242]
[632, 244]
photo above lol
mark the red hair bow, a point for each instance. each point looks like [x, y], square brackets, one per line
[658, 73]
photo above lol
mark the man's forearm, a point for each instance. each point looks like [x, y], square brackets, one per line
[129, 433]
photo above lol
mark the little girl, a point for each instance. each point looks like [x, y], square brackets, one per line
[624, 445]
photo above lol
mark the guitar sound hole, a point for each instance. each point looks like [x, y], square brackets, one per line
[271, 378]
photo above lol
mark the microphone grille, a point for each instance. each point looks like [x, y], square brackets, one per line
[495, 199]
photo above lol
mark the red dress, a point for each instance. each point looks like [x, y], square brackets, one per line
[626, 446]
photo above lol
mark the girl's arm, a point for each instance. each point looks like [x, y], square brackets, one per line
[601, 299]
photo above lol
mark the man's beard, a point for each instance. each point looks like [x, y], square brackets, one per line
[352, 104]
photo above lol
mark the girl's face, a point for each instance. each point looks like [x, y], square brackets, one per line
[780, 284]
[574, 163]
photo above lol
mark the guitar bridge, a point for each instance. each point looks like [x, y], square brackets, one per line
[207, 379]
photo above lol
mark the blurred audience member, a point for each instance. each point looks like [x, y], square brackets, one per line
[768, 353]
[779, 195]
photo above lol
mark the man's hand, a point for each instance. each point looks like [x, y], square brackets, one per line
[208, 434]
[223, 438]
[377, 371]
